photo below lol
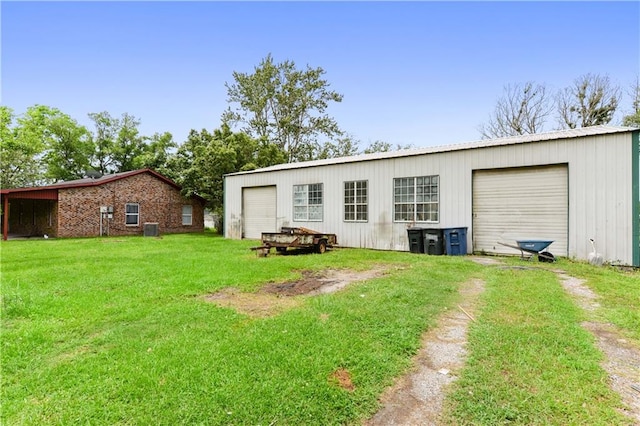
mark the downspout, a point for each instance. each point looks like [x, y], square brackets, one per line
[635, 196]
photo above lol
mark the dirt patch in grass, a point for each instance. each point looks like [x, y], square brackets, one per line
[621, 358]
[253, 304]
[274, 298]
[418, 397]
[342, 378]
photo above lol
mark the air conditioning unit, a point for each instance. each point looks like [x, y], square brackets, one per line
[151, 229]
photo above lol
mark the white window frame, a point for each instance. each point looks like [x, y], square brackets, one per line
[128, 214]
[187, 218]
[308, 202]
[416, 199]
[356, 201]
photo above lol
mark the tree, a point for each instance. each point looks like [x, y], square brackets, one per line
[521, 110]
[205, 157]
[17, 165]
[343, 147]
[106, 131]
[633, 119]
[128, 144]
[283, 105]
[23, 144]
[382, 146]
[156, 153]
[69, 148]
[590, 101]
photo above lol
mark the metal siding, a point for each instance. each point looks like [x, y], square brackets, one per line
[599, 175]
[522, 203]
[258, 211]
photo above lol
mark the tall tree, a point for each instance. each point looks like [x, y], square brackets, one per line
[522, 109]
[17, 165]
[205, 157]
[128, 144]
[633, 119]
[156, 153]
[24, 140]
[69, 148]
[590, 101]
[284, 105]
[104, 138]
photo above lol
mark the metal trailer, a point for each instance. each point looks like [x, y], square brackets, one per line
[298, 238]
[534, 247]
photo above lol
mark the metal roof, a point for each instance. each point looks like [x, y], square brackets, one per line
[85, 182]
[92, 181]
[512, 140]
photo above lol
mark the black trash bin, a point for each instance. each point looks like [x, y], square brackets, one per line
[433, 241]
[416, 242]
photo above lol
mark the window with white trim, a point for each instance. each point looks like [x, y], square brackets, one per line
[307, 202]
[187, 215]
[132, 214]
[355, 201]
[416, 199]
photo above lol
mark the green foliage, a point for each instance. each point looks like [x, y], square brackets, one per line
[156, 153]
[42, 146]
[129, 145]
[118, 144]
[286, 106]
[69, 149]
[106, 130]
[201, 162]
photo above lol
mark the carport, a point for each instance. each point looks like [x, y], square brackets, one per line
[29, 211]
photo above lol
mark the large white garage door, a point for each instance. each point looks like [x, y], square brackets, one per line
[258, 211]
[522, 203]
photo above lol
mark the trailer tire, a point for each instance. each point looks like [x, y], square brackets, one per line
[322, 246]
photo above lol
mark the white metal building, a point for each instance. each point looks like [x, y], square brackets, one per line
[566, 186]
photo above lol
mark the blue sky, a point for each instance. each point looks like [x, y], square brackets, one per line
[420, 73]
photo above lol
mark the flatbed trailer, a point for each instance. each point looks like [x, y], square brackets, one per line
[298, 238]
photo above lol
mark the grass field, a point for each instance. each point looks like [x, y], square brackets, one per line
[115, 331]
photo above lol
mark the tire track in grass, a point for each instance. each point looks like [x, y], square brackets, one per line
[417, 398]
[621, 358]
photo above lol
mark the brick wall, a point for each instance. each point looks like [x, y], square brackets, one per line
[159, 202]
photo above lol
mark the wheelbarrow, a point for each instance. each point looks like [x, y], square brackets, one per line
[534, 247]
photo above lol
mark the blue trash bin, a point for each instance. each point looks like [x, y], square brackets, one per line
[455, 241]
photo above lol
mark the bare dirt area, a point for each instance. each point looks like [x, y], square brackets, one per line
[621, 358]
[274, 298]
[417, 398]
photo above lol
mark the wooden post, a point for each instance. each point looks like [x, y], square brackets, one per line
[5, 218]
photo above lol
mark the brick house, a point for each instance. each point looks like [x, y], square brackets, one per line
[117, 204]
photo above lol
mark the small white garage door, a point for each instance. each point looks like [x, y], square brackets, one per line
[258, 211]
[522, 203]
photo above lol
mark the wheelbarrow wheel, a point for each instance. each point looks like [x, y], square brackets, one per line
[546, 257]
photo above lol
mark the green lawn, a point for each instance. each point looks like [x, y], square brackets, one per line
[114, 331]
[531, 362]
